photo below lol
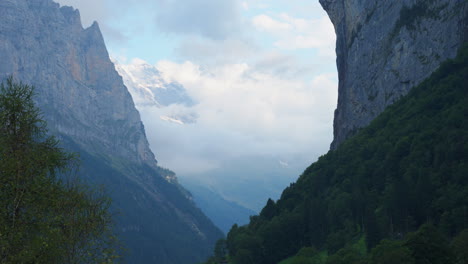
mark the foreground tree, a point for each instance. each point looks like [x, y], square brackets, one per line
[46, 214]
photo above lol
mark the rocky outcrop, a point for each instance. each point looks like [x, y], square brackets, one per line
[77, 85]
[86, 104]
[386, 47]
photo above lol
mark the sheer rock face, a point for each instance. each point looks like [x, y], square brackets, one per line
[86, 104]
[386, 47]
[77, 86]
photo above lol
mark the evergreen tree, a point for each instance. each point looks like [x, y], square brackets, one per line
[460, 247]
[390, 252]
[46, 214]
[428, 245]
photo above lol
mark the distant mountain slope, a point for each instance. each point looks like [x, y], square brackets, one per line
[222, 212]
[149, 90]
[148, 87]
[87, 105]
[407, 168]
[247, 181]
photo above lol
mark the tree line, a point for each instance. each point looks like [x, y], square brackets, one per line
[397, 190]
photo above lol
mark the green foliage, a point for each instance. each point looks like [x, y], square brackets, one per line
[269, 211]
[390, 252]
[307, 255]
[459, 247]
[410, 18]
[220, 251]
[46, 214]
[428, 245]
[407, 168]
[410, 15]
[347, 255]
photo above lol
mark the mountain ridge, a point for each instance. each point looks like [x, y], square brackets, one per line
[87, 106]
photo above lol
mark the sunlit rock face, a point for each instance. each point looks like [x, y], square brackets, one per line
[87, 106]
[386, 47]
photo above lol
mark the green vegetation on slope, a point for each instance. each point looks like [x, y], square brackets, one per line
[152, 232]
[46, 214]
[406, 169]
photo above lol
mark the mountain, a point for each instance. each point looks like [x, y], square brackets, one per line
[87, 106]
[386, 47]
[161, 102]
[396, 192]
[149, 89]
[248, 181]
[222, 212]
[393, 187]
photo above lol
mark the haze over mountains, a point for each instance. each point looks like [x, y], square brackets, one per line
[261, 98]
[88, 107]
[229, 194]
[171, 114]
[392, 189]
[350, 199]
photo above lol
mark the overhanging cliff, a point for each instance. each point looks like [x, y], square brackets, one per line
[386, 47]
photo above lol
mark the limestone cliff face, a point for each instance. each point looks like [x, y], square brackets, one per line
[86, 104]
[386, 47]
[77, 86]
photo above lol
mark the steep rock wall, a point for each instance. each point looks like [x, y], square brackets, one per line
[86, 104]
[386, 47]
[77, 85]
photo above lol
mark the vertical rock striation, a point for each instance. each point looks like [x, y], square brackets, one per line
[86, 104]
[77, 86]
[386, 47]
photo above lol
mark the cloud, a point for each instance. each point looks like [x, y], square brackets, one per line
[242, 111]
[296, 33]
[284, 65]
[90, 10]
[209, 18]
[262, 95]
[270, 25]
[208, 51]
[98, 10]
[212, 19]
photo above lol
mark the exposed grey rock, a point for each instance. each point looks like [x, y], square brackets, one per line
[78, 87]
[386, 47]
[86, 104]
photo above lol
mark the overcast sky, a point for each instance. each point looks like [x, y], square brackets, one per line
[262, 72]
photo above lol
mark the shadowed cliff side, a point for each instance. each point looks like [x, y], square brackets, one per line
[386, 47]
[87, 105]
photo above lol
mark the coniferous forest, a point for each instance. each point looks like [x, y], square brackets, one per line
[396, 192]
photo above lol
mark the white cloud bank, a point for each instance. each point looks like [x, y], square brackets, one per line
[297, 33]
[263, 78]
[241, 111]
[212, 19]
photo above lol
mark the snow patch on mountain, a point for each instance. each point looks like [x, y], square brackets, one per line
[149, 89]
[170, 119]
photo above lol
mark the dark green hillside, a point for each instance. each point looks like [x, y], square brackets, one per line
[407, 168]
[135, 208]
